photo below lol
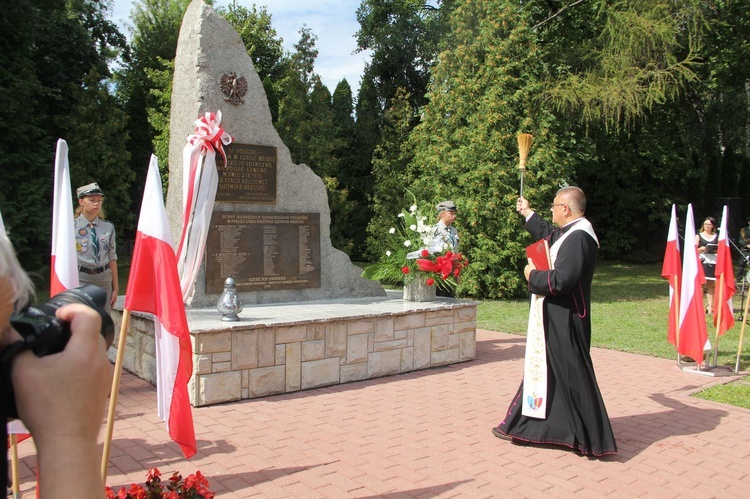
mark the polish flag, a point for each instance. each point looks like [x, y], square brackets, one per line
[64, 264]
[693, 332]
[154, 287]
[671, 270]
[725, 288]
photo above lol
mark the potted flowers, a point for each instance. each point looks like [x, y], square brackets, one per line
[193, 487]
[417, 257]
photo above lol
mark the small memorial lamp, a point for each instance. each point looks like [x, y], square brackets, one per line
[229, 302]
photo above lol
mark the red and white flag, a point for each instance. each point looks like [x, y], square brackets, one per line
[725, 287]
[672, 269]
[64, 264]
[693, 331]
[154, 287]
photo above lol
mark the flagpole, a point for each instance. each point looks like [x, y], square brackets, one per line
[676, 302]
[115, 390]
[742, 333]
[718, 316]
[14, 466]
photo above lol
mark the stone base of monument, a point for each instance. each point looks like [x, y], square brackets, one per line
[289, 347]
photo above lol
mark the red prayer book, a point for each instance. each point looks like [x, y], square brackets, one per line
[539, 254]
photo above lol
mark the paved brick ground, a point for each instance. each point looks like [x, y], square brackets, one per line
[427, 434]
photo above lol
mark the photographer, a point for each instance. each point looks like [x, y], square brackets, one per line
[59, 397]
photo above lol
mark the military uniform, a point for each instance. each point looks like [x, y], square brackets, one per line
[95, 247]
[447, 233]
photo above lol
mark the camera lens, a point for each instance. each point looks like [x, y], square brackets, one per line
[46, 334]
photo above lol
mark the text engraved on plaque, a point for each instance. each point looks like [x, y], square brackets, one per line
[249, 175]
[263, 251]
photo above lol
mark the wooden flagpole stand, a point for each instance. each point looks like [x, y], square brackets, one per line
[115, 391]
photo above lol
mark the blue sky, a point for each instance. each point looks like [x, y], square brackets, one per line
[334, 22]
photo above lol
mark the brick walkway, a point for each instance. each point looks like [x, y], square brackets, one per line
[427, 434]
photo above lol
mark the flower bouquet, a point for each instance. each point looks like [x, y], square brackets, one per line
[193, 487]
[416, 252]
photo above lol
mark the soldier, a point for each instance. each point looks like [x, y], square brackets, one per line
[95, 243]
[446, 233]
[444, 228]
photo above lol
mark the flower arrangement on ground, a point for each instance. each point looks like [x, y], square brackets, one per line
[193, 487]
[415, 252]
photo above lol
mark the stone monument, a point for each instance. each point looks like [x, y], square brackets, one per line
[309, 320]
[270, 229]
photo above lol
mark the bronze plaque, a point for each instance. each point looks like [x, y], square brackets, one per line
[263, 251]
[249, 175]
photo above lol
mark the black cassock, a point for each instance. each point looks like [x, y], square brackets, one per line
[576, 416]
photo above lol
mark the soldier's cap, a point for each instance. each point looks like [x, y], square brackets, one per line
[91, 189]
[446, 205]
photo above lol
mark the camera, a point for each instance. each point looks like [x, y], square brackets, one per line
[44, 334]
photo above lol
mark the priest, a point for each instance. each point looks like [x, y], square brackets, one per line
[559, 403]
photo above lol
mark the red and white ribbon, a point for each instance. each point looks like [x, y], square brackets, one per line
[209, 135]
[199, 183]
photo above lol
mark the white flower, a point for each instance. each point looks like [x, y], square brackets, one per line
[407, 243]
[387, 253]
[413, 208]
[401, 215]
[392, 231]
[413, 227]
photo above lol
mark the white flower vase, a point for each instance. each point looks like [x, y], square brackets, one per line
[418, 290]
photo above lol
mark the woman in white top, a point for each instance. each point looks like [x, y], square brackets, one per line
[707, 242]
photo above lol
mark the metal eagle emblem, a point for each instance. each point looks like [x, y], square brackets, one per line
[234, 88]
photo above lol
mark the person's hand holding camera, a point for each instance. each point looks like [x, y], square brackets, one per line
[60, 398]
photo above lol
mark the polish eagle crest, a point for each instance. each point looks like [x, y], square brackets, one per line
[234, 88]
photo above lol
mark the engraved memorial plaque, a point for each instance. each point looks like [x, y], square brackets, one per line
[249, 175]
[263, 251]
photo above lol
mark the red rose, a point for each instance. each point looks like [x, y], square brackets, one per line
[425, 253]
[405, 269]
[430, 281]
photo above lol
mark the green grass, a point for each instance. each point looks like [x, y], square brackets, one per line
[736, 393]
[629, 313]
